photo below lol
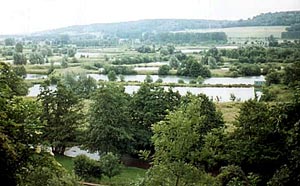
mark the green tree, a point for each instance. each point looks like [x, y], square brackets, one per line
[19, 58]
[20, 71]
[19, 48]
[110, 164]
[61, 110]
[164, 70]
[11, 82]
[109, 127]
[19, 126]
[148, 79]
[9, 41]
[36, 58]
[64, 62]
[112, 76]
[178, 141]
[149, 105]
[174, 62]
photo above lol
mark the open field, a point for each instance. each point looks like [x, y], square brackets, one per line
[247, 32]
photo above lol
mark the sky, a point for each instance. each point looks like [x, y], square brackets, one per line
[27, 16]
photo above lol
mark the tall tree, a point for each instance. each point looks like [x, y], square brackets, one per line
[62, 112]
[148, 106]
[109, 127]
[178, 141]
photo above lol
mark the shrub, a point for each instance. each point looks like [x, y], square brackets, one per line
[87, 168]
[110, 165]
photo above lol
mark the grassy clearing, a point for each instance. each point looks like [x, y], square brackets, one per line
[127, 176]
[66, 162]
[230, 111]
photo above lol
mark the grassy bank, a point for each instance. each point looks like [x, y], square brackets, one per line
[128, 175]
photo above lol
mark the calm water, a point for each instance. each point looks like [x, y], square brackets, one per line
[234, 81]
[174, 79]
[221, 94]
[35, 76]
[35, 90]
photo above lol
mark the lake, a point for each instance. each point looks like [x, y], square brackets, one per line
[174, 79]
[220, 94]
[35, 76]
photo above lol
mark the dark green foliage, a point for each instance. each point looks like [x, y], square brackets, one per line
[9, 41]
[109, 128]
[148, 79]
[145, 49]
[291, 75]
[112, 76]
[20, 71]
[293, 32]
[136, 59]
[19, 58]
[83, 86]
[249, 70]
[118, 69]
[11, 82]
[42, 169]
[87, 168]
[186, 37]
[19, 48]
[191, 67]
[273, 77]
[110, 164]
[36, 58]
[164, 70]
[178, 140]
[61, 110]
[149, 105]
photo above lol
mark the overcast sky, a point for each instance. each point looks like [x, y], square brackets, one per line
[25, 16]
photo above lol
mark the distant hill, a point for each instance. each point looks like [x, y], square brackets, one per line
[134, 29]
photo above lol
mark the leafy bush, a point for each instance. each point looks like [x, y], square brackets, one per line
[110, 165]
[87, 168]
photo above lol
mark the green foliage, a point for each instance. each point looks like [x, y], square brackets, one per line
[118, 69]
[148, 79]
[291, 76]
[82, 85]
[19, 58]
[149, 105]
[20, 71]
[71, 52]
[191, 67]
[178, 141]
[174, 62]
[11, 82]
[145, 49]
[64, 62]
[36, 58]
[9, 41]
[61, 110]
[87, 168]
[42, 169]
[110, 165]
[109, 127]
[112, 76]
[19, 48]
[136, 59]
[164, 70]
[273, 77]
[188, 37]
